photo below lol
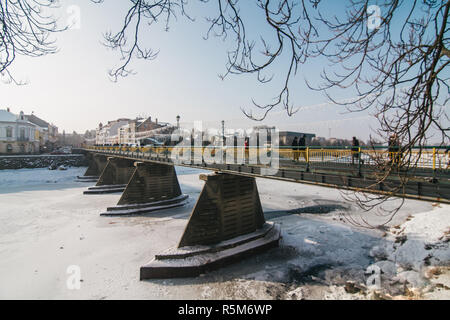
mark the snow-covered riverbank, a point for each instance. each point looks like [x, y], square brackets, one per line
[47, 225]
[41, 161]
[38, 179]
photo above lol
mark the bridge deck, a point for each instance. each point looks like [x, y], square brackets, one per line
[427, 179]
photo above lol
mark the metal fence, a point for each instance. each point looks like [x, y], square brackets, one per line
[436, 159]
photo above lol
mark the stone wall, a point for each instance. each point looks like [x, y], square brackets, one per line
[42, 161]
[18, 148]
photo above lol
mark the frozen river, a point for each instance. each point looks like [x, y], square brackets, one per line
[48, 225]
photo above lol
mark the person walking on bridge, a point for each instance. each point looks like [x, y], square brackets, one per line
[355, 150]
[247, 149]
[295, 149]
[394, 150]
[447, 151]
[302, 146]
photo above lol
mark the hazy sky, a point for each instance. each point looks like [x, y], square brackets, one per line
[72, 90]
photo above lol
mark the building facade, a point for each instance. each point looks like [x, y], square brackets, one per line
[48, 133]
[17, 134]
[109, 134]
[126, 131]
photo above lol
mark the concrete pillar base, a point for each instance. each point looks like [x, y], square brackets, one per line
[114, 177]
[227, 223]
[97, 164]
[196, 260]
[87, 178]
[115, 188]
[152, 187]
[141, 208]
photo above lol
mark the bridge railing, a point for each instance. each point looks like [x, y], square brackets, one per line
[436, 159]
[428, 159]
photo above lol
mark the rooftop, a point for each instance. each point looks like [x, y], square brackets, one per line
[6, 116]
[37, 121]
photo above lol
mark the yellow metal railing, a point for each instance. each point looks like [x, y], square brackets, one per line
[436, 159]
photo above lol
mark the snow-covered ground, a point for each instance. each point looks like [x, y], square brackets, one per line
[38, 179]
[48, 225]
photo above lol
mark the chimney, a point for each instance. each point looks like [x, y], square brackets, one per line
[7, 109]
[156, 120]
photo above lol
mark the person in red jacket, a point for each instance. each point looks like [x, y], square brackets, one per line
[246, 147]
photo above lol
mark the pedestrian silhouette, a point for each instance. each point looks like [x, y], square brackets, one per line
[295, 149]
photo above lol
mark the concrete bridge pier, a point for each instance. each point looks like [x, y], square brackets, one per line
[152, 187]
[227, 223]
[114, 177]
[97, 163]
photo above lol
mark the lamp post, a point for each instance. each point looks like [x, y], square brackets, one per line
[223, 133]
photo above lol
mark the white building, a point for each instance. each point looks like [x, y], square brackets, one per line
[110, 134]
[17, 134]
[128, 132]
[48, 133]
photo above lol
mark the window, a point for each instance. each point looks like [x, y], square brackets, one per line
[9, 148]
[9, 132]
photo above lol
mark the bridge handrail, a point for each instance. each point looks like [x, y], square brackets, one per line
[435, 159]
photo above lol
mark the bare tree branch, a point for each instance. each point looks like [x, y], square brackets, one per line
[25, 29]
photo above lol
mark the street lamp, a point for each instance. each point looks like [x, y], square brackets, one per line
[223, 133]
[178, 122]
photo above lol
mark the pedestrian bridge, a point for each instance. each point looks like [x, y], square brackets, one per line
[424, 175]
[227, 221]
